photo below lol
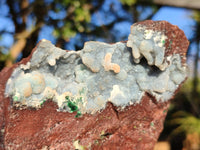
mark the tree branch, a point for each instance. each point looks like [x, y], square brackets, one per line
[190, 4]
[13, 13]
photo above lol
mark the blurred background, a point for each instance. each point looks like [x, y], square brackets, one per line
[70, 23]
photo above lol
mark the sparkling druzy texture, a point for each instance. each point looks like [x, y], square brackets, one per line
[120, 73]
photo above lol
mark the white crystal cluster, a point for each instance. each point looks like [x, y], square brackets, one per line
[97, 74]
[149, 44]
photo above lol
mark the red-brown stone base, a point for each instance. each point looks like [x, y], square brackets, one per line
[135, 127]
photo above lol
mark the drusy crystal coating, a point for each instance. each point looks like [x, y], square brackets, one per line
[84, 81]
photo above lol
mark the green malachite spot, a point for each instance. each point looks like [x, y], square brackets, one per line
[78, 114]
[73, 107]
[42, 102]
[96, 142]
[15, 98]
[163, 41]
[67, 98]
[152, 124]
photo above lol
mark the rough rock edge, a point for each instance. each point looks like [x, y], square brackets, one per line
[176, 42]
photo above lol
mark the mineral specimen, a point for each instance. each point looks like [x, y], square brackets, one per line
[99, 73]
[105, 96]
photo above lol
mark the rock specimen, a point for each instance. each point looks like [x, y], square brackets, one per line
[105, 96]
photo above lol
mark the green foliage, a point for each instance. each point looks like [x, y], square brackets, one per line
[68, 31]
[187, 123]
[3, 57]
[187, 86]
[82, 14]
[128, 2]
[77, 16]
[196, 16]
[183, 115]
